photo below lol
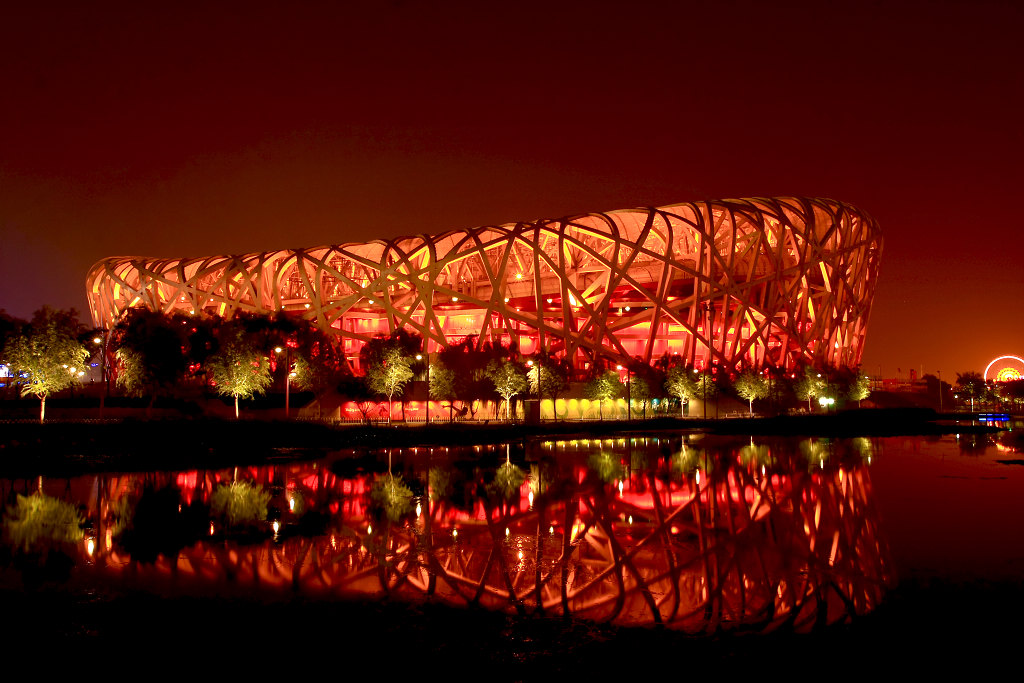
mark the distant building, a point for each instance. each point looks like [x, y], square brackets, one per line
[739, 282]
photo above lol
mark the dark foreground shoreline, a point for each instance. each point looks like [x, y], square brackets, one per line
[69, 448]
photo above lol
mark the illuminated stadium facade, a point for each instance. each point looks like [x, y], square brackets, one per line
[738, 283]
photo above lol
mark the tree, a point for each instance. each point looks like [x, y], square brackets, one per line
[238, 368]
[751, 385]
[389, 372]
[809, 385]
[509, 379]
[1013, 391]
[356, 390]
[680, 384]
[469, 362]
[442, 387]
[640, 390]
[603, 387]
[860, 388]
[970, 385]
[548, 377]
[48, 352]
[705, 388]
[317, 362]
[150, 350]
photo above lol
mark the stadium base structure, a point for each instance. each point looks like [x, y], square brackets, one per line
[736, 283]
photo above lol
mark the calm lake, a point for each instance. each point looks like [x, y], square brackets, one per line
[694, 534]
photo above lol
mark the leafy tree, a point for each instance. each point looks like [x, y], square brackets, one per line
[970, 385]
[860, 387]
[390, 498]
[442, 386]
[751, 385]
[150, 350]
[680, 383]
[604, 387]
[509, 379]
[548, 377]
[238, 367]
[37, 521]
[640, 391]
[705, 386]
[1013, 391]
[810, 384]
[47, 350]
[389, 372]
[318, 363]
[356, 390]
[375, 350]
[239, 503]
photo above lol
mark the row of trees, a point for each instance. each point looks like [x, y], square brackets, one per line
[152, 355]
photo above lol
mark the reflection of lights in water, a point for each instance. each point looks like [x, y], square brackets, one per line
[108, 539]
[529, 497]
[291, 505]
[698, 477]
[90, 546]
[179, 507]
[419, 510]
[211, 528]
[590, 557]
[620, 487]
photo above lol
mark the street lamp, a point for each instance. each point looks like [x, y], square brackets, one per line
[419, 356]
[287, 376]
[540, 395]
[704, 392]
[629, 395]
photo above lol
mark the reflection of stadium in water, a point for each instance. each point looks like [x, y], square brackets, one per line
[691, 534]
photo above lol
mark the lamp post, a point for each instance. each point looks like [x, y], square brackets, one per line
[287, 377]
[540, 394]
[940, 389]
[704, 392]
[629, 395]
[419, 356]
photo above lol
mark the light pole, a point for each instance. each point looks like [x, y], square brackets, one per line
[704, 393]
[540, 394]
[287, 376]
[940, 389]
[419, 356]
[629, 395]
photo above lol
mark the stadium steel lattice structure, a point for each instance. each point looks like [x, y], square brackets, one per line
[744, 282]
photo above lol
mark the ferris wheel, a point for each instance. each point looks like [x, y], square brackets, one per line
[1005, 369]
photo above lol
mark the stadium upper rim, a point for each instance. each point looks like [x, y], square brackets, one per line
[796, 274]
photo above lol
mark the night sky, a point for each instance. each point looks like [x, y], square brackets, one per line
[127, 129]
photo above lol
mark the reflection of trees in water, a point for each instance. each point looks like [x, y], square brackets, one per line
[39, 522]
[796, 546]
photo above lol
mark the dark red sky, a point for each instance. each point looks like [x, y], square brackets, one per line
[193, 130]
